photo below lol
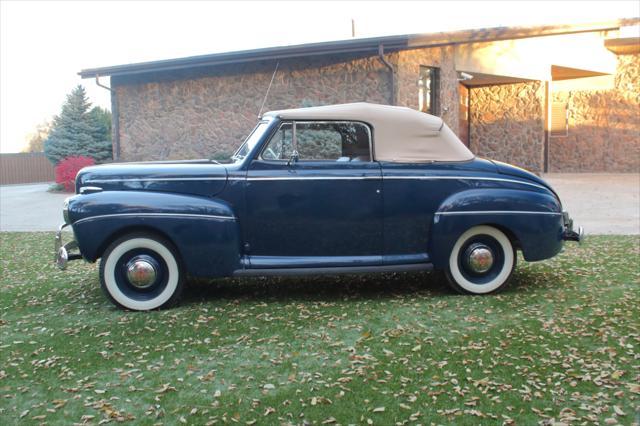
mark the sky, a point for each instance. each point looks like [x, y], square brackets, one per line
[43, 45]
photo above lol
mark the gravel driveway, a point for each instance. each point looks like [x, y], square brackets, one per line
[601, 203]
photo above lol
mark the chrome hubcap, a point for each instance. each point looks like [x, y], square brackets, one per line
[480, 258]
[141, 273]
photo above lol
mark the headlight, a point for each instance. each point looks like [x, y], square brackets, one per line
[65, 210]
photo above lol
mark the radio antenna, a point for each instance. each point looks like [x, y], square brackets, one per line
[264, 101]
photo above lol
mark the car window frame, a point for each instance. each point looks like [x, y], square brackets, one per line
[294, 123]
[268, 142]
[235, 157]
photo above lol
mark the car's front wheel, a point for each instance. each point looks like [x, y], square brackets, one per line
[482, 261]
[141, 271]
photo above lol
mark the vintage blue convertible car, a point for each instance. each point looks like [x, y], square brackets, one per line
[333, 189]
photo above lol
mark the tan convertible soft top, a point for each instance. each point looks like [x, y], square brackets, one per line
[400, 134]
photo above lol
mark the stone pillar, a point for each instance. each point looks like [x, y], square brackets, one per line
[507, 123]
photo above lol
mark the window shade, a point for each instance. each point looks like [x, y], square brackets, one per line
[559, 119]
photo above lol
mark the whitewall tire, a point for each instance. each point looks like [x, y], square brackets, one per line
[141, 272]
[481, 261]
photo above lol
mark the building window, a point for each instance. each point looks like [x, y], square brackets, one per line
[559, 119]
[429, 90]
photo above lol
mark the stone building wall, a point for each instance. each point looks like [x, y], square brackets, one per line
[604, 125]
[408, 72]
[197, 117]
[507, 123]
[206, 115]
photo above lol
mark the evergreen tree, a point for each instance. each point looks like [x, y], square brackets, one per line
[78, 131]
[100, 119]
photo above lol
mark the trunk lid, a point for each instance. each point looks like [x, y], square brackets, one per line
[508, 169]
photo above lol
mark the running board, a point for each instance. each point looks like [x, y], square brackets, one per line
[334, 270]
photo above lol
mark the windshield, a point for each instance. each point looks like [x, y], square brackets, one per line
[251, 141]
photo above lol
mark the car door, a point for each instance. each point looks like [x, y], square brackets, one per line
[314, 198]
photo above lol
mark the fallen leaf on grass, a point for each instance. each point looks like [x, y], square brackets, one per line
[619, 411]
[269, 410]
[165, 388]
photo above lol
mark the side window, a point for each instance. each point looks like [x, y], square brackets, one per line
[280, 146]
[429, 90]
[320, 141]
[333, 141]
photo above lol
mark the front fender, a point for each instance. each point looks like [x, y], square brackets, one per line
[532, 218]
[204, 230]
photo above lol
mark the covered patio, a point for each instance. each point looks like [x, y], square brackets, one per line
[513, 93]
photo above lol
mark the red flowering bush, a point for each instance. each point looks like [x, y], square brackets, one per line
[68, 168]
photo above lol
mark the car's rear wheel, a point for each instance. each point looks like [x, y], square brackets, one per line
[142, 271]
[482, 261]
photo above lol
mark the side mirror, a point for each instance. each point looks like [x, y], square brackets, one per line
[293, 158]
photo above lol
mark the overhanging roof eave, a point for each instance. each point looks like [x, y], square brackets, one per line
[391, 43]
[365, 45]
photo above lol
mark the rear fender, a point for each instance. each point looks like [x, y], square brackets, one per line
[531, 219]
[204, 230]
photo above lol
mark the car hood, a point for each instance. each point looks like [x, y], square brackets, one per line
[188, 177]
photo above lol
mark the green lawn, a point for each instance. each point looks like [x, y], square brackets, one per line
[562, 343]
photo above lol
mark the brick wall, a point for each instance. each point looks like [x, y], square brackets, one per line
[604, 125]
[507, 123]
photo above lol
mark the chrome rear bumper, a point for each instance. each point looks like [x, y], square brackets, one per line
[570, 234]
[63, 251]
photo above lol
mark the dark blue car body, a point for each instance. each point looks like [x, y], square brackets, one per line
[261, 217]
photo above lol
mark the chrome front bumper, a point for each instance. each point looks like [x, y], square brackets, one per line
[63, 251]
[570, 234]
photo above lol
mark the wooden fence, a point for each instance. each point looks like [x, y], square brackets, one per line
[25, 168]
